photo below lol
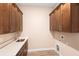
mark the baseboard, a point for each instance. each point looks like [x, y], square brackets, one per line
[40, 49]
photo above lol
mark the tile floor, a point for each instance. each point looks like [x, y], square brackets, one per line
[43, 53]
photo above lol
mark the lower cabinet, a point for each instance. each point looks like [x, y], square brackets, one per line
[23, 50]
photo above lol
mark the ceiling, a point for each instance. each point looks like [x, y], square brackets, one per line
[49, 5]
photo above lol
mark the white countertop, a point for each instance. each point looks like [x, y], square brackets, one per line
[12, 48]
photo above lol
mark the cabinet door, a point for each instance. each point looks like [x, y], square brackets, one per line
[66, 21]
[4, 18]
[16, 20]
[75, 17]
[53, 26]
[25, 48]
[59, 19]
[51, 22]
[1, 19]
[20, 22]
[56, 20]
[12, 18]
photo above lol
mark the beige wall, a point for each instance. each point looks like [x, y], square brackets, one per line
[36, 27]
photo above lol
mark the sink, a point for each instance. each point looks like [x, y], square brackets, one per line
[20, 40]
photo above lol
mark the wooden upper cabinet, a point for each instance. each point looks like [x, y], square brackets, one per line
[56, 20]
[1, 19]
[53, 22]
[59, 19]
[16, 19]
[66, 17]
[4, 18]
[75, 17]
[10, 18]
[21, 22]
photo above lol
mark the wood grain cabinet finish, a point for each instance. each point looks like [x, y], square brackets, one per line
[17, 24]
[10, 18]
[65, 18]
[59, 17]
[23, 50]
[4, 18]
[53, 22]
[75, 17]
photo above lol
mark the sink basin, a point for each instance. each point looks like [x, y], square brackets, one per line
[20, 40]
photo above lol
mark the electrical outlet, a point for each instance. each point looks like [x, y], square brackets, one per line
[57, 47]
